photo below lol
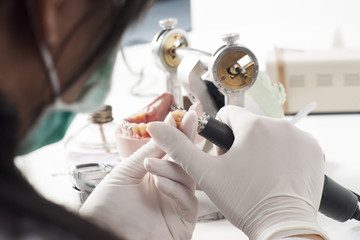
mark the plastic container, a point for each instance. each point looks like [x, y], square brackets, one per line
[95, 141]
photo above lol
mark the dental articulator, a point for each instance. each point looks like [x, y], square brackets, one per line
[222, 78]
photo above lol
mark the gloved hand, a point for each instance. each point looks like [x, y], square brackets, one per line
[145, 198]
[269, 183]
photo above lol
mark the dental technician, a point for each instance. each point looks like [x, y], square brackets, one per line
[56, 58]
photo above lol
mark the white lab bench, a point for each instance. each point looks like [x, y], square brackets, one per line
[339, 135]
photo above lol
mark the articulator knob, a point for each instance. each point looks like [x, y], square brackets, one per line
[233, 69]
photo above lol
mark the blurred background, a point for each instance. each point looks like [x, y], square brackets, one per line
[262, 24]
[319, 42]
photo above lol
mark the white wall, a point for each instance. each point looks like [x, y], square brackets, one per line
[264, 24]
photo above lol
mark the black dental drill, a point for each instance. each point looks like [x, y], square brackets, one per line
[337, 202]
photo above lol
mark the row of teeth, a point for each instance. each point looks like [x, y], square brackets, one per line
[140, 129]
[134, 129]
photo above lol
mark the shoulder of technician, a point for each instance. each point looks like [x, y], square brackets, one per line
[26, 215]
[12, 227]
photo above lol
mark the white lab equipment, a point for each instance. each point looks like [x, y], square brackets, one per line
[232, 68]
[329, 77]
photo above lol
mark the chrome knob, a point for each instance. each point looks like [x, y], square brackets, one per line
[168, 23]
[230, 38]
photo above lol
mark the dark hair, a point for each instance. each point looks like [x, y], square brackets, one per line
[15, 192]
[128, 12]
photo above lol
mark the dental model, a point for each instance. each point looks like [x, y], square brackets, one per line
[140, 130]
[135, 125]
[131, 132]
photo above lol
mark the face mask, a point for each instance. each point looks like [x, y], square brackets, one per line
[53, 122]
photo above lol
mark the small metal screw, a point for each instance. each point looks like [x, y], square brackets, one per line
[168, 23]
[230, 38]
[192, 97]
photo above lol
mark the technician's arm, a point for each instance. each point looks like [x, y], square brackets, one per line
[269, 183]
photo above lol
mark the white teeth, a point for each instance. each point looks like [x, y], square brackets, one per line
[142, 129]
[135, 129]
[139, 129]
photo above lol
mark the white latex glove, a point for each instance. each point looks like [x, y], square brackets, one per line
[269, 183]
[147, 198]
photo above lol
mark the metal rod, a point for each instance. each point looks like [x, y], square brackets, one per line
[204, 56]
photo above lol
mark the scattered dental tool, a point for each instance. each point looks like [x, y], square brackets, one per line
[87, 176]
[303, 112]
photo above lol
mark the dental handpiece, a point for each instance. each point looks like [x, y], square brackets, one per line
[337, 202]
[215, 131]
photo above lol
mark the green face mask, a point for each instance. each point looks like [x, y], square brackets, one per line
[49, 128]
[53, 122]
